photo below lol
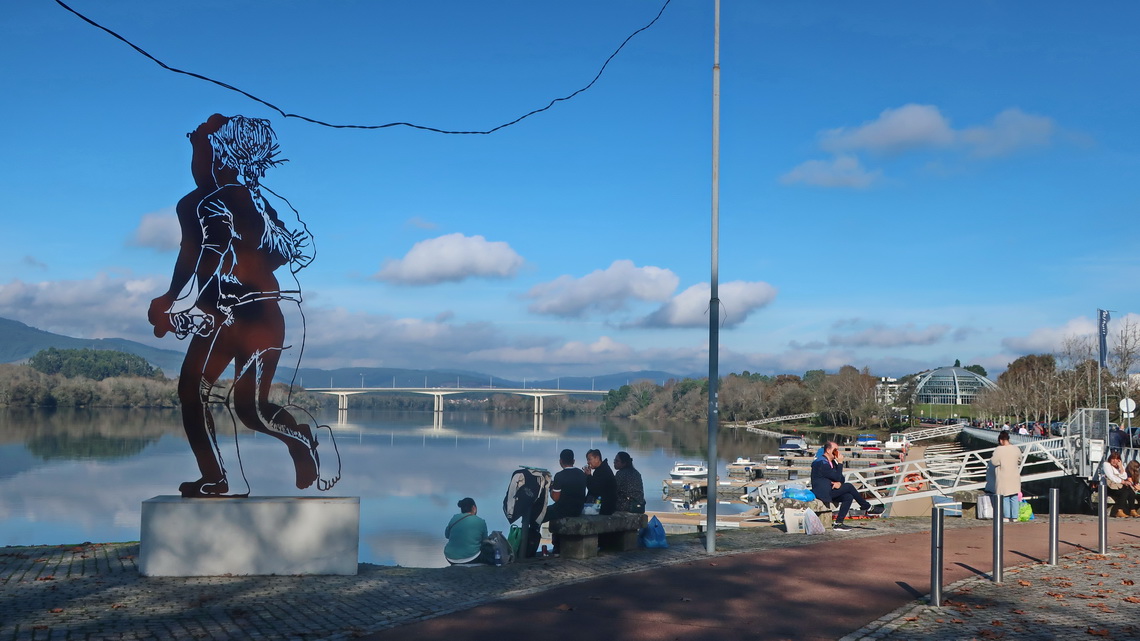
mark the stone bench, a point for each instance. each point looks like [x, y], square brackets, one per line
[578, 535]
[823, 510]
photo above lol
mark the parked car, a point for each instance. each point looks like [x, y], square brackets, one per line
[1133, 436]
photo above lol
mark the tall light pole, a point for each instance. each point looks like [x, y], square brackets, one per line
[714, 298]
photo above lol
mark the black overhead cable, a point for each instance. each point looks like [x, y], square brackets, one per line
[384, 126]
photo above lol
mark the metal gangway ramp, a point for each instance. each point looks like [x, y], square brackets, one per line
[1078, 452]
[933, 432]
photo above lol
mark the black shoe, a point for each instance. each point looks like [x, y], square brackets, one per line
[839, 527]
[876, 509]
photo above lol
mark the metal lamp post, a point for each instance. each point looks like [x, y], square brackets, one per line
[714, 300]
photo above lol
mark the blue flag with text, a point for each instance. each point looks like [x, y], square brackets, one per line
[1102, 331]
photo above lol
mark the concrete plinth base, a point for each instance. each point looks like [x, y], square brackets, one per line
[249, 536]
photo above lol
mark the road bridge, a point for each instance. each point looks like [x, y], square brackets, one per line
[438, 393]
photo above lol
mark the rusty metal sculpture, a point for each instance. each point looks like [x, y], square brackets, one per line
[225, 297]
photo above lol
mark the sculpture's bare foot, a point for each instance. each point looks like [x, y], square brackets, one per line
[203, 488]
[329, 473]
[305, 460]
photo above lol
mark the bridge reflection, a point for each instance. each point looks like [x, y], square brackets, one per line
[342, 393]
[437, 425]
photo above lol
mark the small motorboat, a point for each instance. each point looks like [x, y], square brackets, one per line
[898, 441]
[792, 445]
[745, 467]
[868, 440]
[688, 470]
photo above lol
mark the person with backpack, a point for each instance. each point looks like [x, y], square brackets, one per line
[465, 534]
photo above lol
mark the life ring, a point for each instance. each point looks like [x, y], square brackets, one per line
[913, 482]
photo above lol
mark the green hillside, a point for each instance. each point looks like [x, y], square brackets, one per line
[19, 342]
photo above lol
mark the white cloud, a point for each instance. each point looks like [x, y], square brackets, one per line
[690, 308]
[452, 258]
[895, 130]
[841, 171]
[884, 336]
[601, 352]
[104, 306]
[603, 290]
[338, 338]
[158, 230]
[1048, 340]
[794, 361]
[914, 127]
[1012, 130]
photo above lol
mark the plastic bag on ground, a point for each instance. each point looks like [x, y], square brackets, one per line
[1024, 512]
[514, 537]
[812, 523]
[652, 535]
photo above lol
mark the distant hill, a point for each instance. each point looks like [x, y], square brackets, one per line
[20, 342]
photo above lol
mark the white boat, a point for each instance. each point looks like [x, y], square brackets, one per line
[793, 444]
[868, 440]
[688, 470]
[898, 441]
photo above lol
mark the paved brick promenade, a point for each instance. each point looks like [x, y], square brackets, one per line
[93, 591]
[1085, 596]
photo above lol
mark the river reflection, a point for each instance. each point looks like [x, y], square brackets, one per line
[81, 475]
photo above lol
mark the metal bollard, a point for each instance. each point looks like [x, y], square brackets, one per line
[1054, 522]
[937, 518]
[999, 522]
[1102, 539]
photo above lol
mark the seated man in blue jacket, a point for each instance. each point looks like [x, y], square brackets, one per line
[829, 486]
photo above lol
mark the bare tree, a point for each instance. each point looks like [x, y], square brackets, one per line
[1077, 364]
[1124, 355]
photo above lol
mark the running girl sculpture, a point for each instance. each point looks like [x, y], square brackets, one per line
[225, 297]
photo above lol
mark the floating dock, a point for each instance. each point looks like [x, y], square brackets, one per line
[692, 521]
[747, 475]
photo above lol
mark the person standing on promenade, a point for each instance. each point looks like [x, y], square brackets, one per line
[829, 485]
[630, 489]
[1120, 487]
[1006, 464]
[568, 491]
[465, 535]
[600, 482]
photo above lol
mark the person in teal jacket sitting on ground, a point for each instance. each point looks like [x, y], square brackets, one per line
[465, 535]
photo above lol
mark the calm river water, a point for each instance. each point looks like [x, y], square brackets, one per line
[68, 476]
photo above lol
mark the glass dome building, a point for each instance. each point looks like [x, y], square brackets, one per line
[951, 386]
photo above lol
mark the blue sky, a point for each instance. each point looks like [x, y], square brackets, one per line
[902, 184]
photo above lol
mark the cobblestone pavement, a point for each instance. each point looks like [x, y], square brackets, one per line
[1085, 596]
[93, 592]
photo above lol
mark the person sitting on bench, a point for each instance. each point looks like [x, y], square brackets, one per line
[829, 486]
[568, 491]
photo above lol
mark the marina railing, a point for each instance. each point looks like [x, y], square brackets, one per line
[941, 475]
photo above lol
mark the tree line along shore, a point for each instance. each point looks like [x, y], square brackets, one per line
[1035, 387]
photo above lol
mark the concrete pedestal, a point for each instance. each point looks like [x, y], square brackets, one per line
[249, 536]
